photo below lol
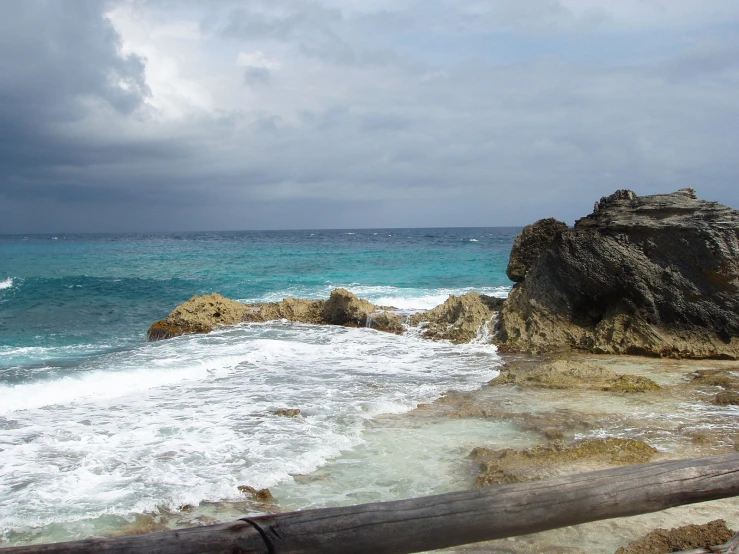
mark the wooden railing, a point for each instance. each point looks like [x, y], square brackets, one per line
[444, 520]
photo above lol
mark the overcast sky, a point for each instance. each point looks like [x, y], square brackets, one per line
[145, 115]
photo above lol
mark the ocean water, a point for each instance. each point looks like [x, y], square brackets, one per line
[98, 425]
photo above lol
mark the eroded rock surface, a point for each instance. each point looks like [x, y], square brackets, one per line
[201, 314]
[651, 275]
[688, 537]
[460, 318]
[566, 374]
[499, 467]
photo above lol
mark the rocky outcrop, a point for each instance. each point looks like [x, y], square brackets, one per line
[460, 318]
[679, 539]
[652, 275]
[201, 314]
[528, 245]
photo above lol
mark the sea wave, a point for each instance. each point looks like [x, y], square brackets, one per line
[190, 419]
[6, 284]
[401, 298]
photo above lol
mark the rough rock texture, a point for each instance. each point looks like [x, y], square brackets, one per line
[499, 467]
[529, 244]
[565, 374]
[460, 318]
[652, 275]
[689, 537]
[200, 314]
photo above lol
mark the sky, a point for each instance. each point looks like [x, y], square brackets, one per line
[179, 115]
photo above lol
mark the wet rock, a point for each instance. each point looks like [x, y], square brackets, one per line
[727, 379]
[345, 308]
[387, 322]
[200, 314]
[689, 537]
[288, 412]
[529, 244]
[557, 458]
[565, 374]
[261, 495]
[727, 398]
[631, 383]
[649, 275]
[142, 524]
[460, 318]
[292, 309]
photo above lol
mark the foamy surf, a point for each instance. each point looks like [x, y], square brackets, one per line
[190, 419]
[401, 298]
[6, 284]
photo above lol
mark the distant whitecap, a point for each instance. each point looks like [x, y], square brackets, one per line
[7, 283]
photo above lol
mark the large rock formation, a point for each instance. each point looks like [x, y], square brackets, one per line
[655, 275]
[201, 314]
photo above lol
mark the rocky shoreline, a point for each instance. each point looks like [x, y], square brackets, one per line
[654, 276]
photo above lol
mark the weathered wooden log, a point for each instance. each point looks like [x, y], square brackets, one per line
[444, 520]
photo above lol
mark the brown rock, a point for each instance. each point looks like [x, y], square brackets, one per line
[261, 495]
[688, 537]
[200, 314]
[288, 412]
[345, 308]
[460, 318]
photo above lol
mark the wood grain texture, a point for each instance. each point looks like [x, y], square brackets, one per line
[445, 520]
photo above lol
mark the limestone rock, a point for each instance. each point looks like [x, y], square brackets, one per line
[565, 374]
[510, 466]
[292, 309]
[200, 314]
[460, 318]
[261, 495]
[345, 308]
[528, 245]
[688, 537]
[288, 412]
[651, 275]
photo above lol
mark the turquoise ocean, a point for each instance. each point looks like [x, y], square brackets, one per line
[98, 425]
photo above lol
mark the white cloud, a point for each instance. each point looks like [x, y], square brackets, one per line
[256, 59]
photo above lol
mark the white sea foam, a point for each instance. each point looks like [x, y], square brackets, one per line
[6, 284]
[404, 299]
[189, 419]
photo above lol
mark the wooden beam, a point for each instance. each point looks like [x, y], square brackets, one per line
[444, 520]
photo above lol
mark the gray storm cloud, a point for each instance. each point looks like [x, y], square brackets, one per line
[153, 115]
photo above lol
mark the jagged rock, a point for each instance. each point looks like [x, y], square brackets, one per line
[345, 308]
[200, 314]
[652, 275]
[387, 322]
[460, 318]
[528, 245]
[292, 309]
[688, 537]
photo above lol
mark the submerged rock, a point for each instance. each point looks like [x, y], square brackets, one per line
[288, 412]
[261, 495]
[460, 318]
[511, 466]
[688, 537]
[565, 374]
[651, 275]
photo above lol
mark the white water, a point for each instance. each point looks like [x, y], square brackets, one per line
[190, 419]
[405, 299]
[6, 284]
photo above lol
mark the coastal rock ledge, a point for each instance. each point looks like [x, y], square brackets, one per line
[651, 275]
